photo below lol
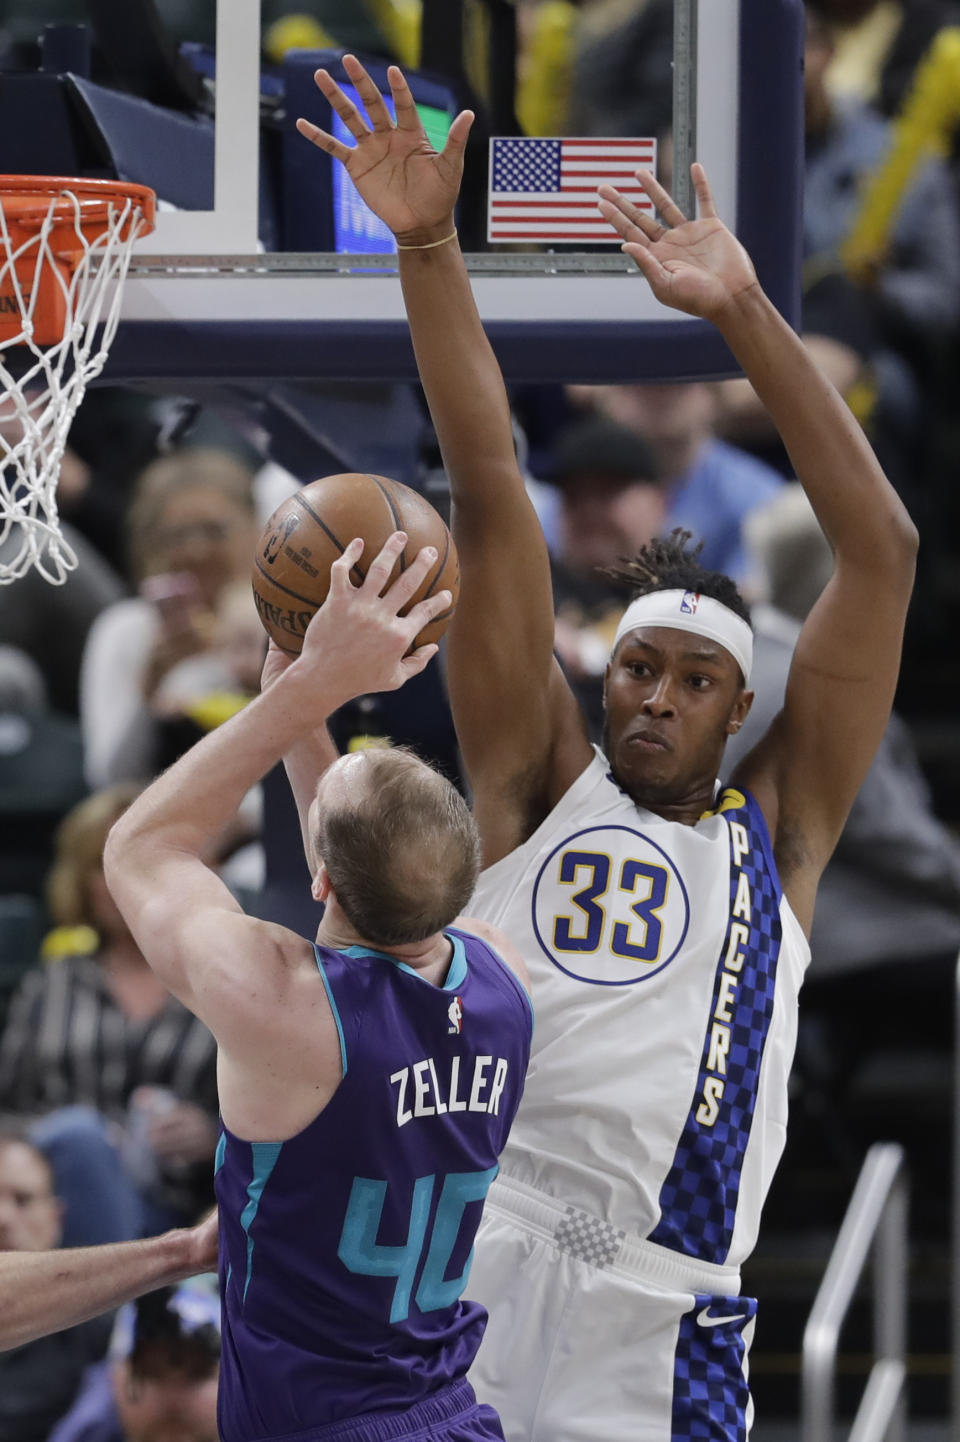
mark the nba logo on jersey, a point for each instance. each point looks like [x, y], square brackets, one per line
[455, 1013]
[690, 602]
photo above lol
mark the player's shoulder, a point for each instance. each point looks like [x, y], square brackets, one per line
[276, 950]
[498, 942]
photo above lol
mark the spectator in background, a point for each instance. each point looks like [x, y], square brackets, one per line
[914, 294]
[38, 1381]
[611, 504]
[206, 690]
[51, 623]
[547, 33]
[875, 335]
[623, 71]
[41, 773]
[889, 899]
[881, 42]
[710, 486]
[121, 1077]
[160, 1381]
[114, 435]
[193, 529]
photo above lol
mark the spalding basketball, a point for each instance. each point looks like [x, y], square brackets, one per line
[310, 530]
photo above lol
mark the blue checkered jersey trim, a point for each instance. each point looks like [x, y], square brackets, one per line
[698, 1200]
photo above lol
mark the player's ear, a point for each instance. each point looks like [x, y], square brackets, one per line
[320, 887]
[741, 709]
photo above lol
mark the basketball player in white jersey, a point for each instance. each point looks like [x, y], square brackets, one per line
[664, 924]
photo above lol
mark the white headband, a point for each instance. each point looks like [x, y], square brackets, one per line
[689, 611]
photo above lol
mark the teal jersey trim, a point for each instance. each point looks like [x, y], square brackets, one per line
[265, 1156]
[513, 977]
[456, 972]
[220, 1153]
[334, 1008]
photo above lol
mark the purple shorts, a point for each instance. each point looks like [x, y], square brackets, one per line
[451, 1415]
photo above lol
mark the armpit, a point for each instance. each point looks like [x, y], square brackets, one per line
[791, 852]
[509, 810]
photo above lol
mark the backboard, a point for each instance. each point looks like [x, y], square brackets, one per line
[212, 297]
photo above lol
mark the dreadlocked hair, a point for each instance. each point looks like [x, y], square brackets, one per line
[669, 563]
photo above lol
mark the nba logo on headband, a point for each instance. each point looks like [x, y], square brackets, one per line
[691, 611]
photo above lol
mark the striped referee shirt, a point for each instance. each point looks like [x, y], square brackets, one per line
[67, 1042]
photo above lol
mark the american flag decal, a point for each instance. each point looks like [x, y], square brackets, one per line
[546, 189]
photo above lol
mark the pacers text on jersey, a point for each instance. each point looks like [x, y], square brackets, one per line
[714, 1085]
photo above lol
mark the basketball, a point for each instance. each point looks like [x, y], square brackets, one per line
[310, 530]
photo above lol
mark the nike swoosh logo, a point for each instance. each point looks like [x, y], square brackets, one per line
[704, 1318]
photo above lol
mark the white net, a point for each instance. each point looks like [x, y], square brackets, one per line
[43, 387]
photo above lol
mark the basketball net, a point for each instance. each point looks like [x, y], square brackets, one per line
[65, 249]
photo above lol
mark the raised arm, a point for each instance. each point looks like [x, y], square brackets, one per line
[808, 770]
[307, 760]
[219, 962]
[519, 727]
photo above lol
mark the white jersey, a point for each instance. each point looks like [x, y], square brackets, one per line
[665, 966]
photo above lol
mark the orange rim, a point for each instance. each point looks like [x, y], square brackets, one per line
[25, 196]
[79, 214]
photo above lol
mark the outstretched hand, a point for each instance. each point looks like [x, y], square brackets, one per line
[697, 266]
[358, 641]
[409, 185]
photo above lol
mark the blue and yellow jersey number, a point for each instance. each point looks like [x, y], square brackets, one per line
[610, 907]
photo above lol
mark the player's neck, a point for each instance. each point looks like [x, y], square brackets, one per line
[686, 810]
[685, 813]
[430, 958]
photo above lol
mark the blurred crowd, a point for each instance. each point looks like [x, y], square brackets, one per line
[108, 1109]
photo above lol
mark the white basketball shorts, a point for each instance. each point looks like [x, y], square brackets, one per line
[597, 1337]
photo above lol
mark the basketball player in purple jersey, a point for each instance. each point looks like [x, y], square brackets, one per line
[367, 1082]
[664, 923]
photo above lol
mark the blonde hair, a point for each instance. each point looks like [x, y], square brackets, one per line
[78, 852]
[403, 857]
[200, 468]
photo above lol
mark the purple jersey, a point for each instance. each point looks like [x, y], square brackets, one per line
[344, 1251]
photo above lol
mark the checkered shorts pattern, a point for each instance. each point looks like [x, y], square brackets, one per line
[587, 1237]
[698, 1200]
[710, 1394]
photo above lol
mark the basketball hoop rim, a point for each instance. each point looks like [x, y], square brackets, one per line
[21, 195]
[65, 245]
